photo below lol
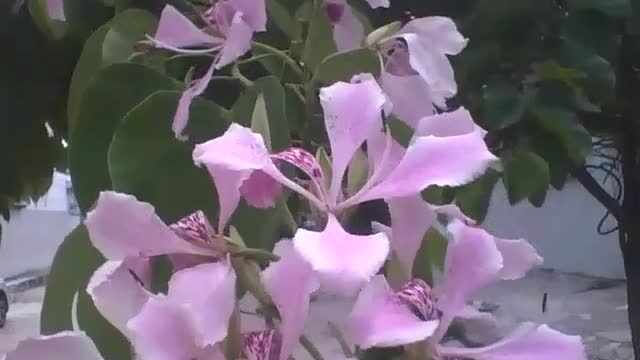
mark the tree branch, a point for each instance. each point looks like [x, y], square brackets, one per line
[594, 188]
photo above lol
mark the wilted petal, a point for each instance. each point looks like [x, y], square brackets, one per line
[348, 126]
[411, 217]
[237, 43]
[343, 261]
[55, 9]
[528, 342]
[432, 65]
[120, 226]
[290, 281]
[207, 292]
[254, 13]
[181, 118]
[379, 318]
[472, 261]
[260, 190]
[165, 330]
[348, 32]
[518, 258]
[435, 160]
[176, 31]
[410, 95]
[117, 293]
[61, 346]
[437, 32]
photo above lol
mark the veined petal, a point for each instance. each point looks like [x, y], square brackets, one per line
[308, 164]
[348, 126]
[343, 261]
[379, 318]
[120, 226]
[231, 158]
[435, 160]
[348, 31]
[61, 346]
[55, 9]
[437, 32]
[254, 13]
[410, 95]
[431, 64]
[237, 42]
[260, 190]
[290, 282]
[411, 217]
[181, 118]
[207, 293]
[262, 345]
[518, 258]
[528, 342]
[117, 293]
[472, 261]
[164, 330]
[176, 31]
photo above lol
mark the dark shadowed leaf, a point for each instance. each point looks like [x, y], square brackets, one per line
[474, 198]
[526, 176]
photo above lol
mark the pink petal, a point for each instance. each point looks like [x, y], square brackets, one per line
[290, 281]
[528, 342]
[181, 118]
[518, 258]
[379, 318]
[437, 32]
[454, 123]
[472, 261]
[375, 154]
[164, 330]
[61, 346]
[262, 345]
[343, 261]
[436, 160]
[55, 9]
[260, 190]
[410, 95]
[348, 32]
[254, 13]
[231, 158]
[117, 294]
[194, 227]
[207, 293]
[411, 217]
[348, 126]
[237, 42]
[432, 65]
[378, 3]
[120, 226]
[307, 163]
[176, 31]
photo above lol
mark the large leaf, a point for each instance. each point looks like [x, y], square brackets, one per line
[110, 95]
[504, 104]
[564, 124]
[609, 7]
[526, 175]
[280, 15]
[474, 198]
[320, 42]
[601, 79]
[146, 160]
[129, 27]
[74, 263]
[344, 65]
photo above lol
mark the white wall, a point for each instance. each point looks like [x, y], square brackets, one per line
[30, 239]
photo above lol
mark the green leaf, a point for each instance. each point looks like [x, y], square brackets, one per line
[357, 172]
[147, 161]
[127, 28]
[526, 175]
[620, 8]
[474, 198]
[504, 104]
[53, 28]
[324, 161]
[319, 42]
[400, 131]
[107, 99]
[260, 121]
[74, 263]
[282, 18]
[551, 70]
[552, 150]
[600, 82]
[564, 124]
[344, 65]
[274, 100]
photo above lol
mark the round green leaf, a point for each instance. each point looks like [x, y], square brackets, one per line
[504, 104]
[127, 28]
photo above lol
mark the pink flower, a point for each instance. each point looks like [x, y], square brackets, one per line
[474, 259]
[448, 151]
[348, 31]
[62, 346]
[232, 21]
[55, 9]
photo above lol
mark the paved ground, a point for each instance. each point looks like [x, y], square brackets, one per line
[593, 308]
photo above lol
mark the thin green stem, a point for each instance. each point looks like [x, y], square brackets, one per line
[253, 59]
[280, 54]
[311, 348]
[235, 71]
[296, 90]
